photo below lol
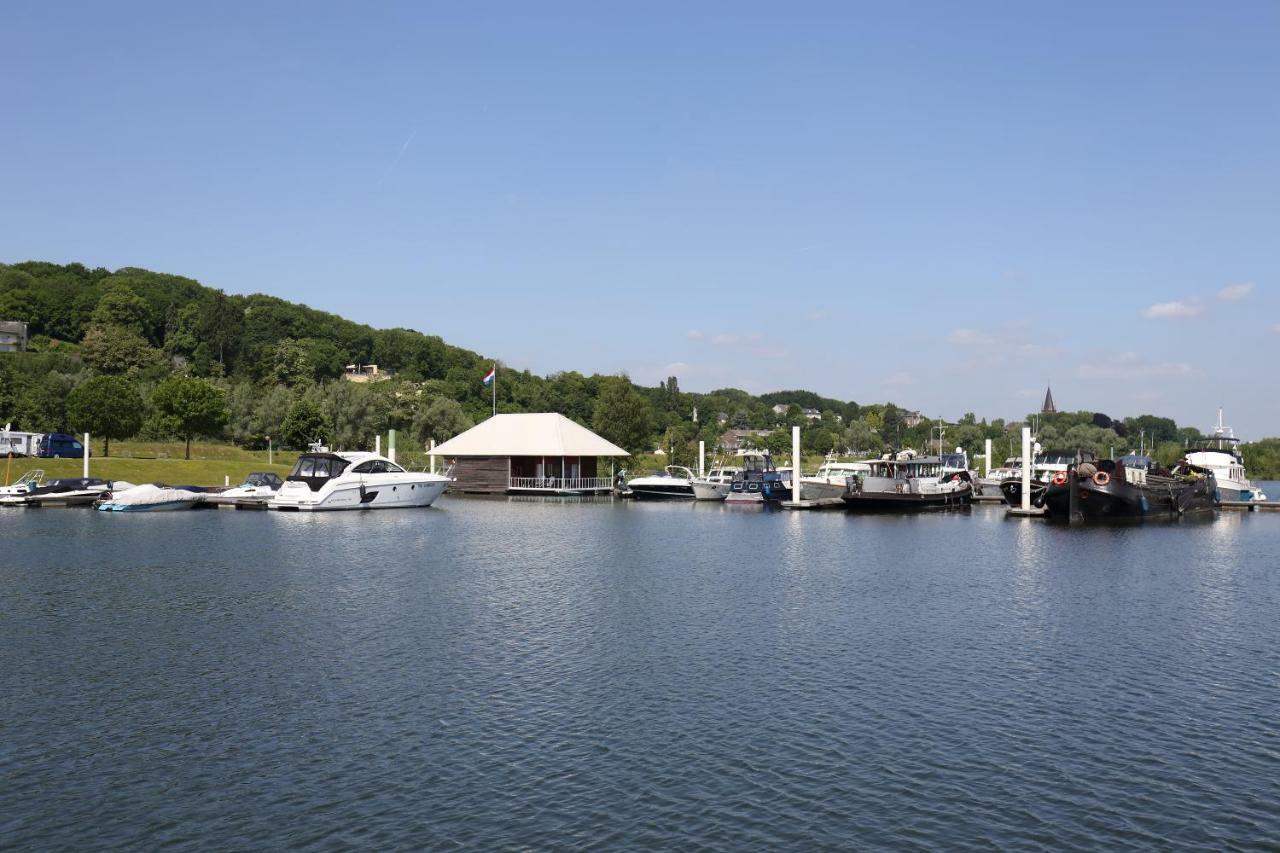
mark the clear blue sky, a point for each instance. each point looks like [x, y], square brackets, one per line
[946, 205]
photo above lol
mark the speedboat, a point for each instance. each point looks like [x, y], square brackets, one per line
[674, 483]
[1131, 486]
[715, 485]
[259, 484]
[148, 498]
[831, 479]
[909, 483]
[759, 481]
[23, 485]
[331, 481]
[1045, 465]
[64, 491]
[990, 484]
[1221, 455]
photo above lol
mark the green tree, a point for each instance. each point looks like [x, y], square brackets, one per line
[859, 437]
[439, 418]
[120, 306]
[623, 416]
[106, 406]
[304, 424]
[189, 407]
[117, 350]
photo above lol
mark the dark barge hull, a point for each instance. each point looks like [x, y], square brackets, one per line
[1126, 500]
[890, 502]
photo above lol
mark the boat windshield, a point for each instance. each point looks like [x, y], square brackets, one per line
[954, 460]
[317, 467]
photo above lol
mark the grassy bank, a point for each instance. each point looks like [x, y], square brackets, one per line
[158, 462]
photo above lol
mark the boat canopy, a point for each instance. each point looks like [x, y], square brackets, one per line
[317, 467]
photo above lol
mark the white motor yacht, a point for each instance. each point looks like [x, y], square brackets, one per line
[715, 485]
[1221, 455]
[831, 479]
[332, 481]
[258, 485]
[674, 483]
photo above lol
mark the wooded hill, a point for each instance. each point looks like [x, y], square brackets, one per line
[187, 360]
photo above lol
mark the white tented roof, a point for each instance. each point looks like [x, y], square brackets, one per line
[548, 434]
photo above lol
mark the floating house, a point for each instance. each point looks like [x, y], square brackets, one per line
[542, 453]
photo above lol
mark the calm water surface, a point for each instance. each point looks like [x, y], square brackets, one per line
[498, 675]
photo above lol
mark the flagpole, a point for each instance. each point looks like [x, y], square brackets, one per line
[495, 389]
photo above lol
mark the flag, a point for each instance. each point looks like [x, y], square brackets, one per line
[488, 377]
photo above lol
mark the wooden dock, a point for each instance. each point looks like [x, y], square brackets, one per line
[988, 499]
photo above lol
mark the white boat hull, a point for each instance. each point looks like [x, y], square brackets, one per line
[400, 494]
[710, 491]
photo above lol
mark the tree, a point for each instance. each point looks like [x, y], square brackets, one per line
[120, 306]
[304, 424]
[117, 350]
[108, 406]
[439, 418]
[189, 407]
[623, 416]
[860, 438]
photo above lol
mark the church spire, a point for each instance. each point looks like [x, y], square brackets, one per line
[1048, 408]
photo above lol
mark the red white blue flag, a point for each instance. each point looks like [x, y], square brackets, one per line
[488, 377]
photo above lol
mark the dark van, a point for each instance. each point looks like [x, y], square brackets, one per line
[57, 445]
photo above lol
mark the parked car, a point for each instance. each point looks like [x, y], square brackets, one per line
[57, 445]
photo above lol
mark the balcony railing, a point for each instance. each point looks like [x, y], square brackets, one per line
[562, 484]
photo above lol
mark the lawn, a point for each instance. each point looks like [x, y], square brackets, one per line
[159, 462]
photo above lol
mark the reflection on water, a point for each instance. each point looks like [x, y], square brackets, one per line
[566, 673]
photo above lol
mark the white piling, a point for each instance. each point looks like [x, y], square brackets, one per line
[795, 464]
[987, 465]
[431, 453]
[391, 445]
[377, 444]
[86, 456]
[1028, 462]
[226, 479]
[702, 458]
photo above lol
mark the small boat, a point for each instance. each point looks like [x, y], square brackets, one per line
[990, 484]
[333, 481]
[674, 483]
[23, 485]
[1221, 455]
[910, 483]
[65, 491]
[758, 481]
[1045, 465]
[259, 484]
[148, 498]
[1132, 486]
[831, 479]
[715, 485]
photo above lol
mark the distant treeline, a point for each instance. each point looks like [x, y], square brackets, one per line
[134, 352]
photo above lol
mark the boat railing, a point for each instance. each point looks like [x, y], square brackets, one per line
[562, 484]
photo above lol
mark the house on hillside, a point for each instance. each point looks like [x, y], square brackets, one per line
[544, 453]
[812, 414]
[742, 439]
[366, 373]
[13, 336]
[781, 409]
[911, 420]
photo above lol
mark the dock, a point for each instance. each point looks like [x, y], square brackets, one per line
[816, 503]
[1250, 506]
[1034, 512]
[987, 499]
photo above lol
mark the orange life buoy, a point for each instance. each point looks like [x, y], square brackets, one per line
[1102, 478]
[1060, 478]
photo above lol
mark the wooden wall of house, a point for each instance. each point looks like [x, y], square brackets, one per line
[482, 474]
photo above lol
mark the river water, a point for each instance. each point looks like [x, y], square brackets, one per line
[492, 674]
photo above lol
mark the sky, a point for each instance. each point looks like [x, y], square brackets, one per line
[948, 205]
